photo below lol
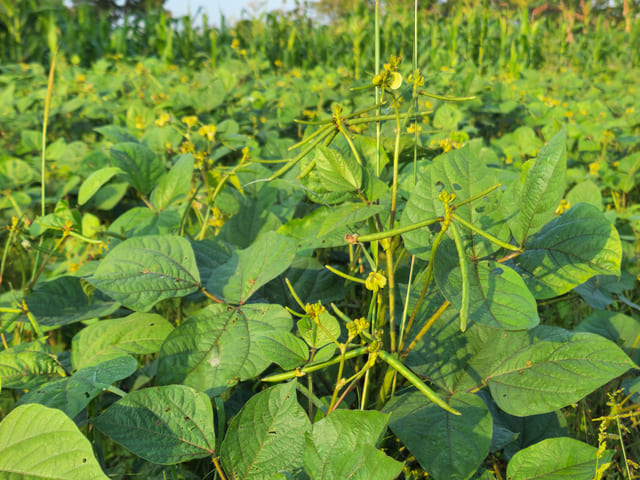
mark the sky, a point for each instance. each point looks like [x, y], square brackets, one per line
[232, 9]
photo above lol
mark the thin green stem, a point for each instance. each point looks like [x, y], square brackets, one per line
[462, 259]
[371, 237]
[416, 381]
[301, 372]
[486, 235]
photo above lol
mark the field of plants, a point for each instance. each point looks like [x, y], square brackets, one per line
[403, 242]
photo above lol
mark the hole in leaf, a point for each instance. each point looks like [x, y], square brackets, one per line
[498, 271]
[456, 186]
[439, 186]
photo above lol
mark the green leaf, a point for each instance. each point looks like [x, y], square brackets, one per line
[28, 365]
[141, 167]
[617, 327]
[569, 250]
[557, 369]
[219, 345]
[528, 372]
[342, 445]
[175, 185]
[531, 200]
[94, 181]
[628, 169]
[447, 117]
[116, 134]
[63, 301]
[447, 446]
[266, 436]
[498, 298]
[287, 350]
[164, 425]
[556, 458]
[321, 333]
[73, 394]
[140, 221]
[14, 173]
[238, 279]
[142, 271]
[337, 172]
[136, 334]
[38, 442]
[326, 227]
[463, 173]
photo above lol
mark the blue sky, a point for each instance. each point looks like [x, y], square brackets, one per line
[232, 9]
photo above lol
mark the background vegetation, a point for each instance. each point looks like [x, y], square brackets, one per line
[160, 126]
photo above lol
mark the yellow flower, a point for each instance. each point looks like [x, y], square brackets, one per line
[235, 44]
[375, 281]
[163, 120]
[140, 123]
[81, 78]
[217, 218]
[593, 168]
[277, 63]
[563, 207]
[414, 127]
[189, 120]
[208, 131]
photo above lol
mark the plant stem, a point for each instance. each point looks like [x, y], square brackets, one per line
[416, 381]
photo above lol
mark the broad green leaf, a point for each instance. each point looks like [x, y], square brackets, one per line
[14, 173]
[528, 372]
[447, 117]
[219, 345]
[498, 296]
[286, 350]
[63, 301]
[323, 332]
[343, 445]
[463, 173]
[337, 173]
[447, 446]
[141, 167]
[266, 436]
[326, 227]
[628, 169]
[531, 200]
[569, 250]
[28, 365]
[247, 270]
[38, 442]
[557, 369]
[72, 394]
[136, 334]
[556, 458]
[617, 327]
[511, 434]
[140, 221]
[94, 181]
[175, 185]
[108, 196]
[586, 191]
[116, 134]
[142, 271]
[254, 218]
[164, 425]
[210, 253]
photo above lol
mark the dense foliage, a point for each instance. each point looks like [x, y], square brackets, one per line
[256, 252]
